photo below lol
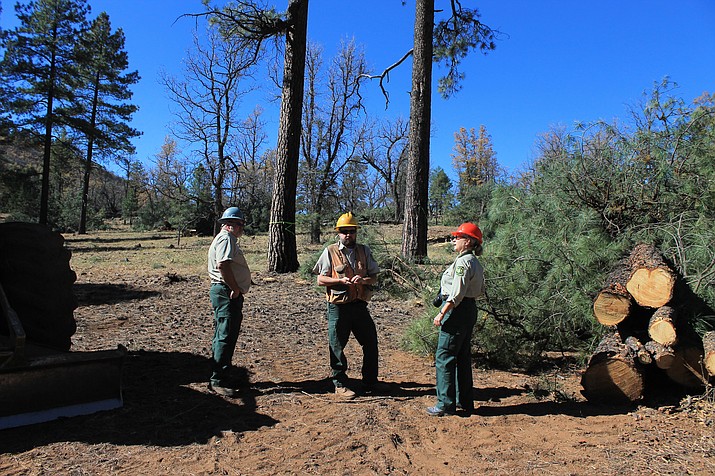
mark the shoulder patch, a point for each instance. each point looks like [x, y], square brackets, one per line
[459, 270]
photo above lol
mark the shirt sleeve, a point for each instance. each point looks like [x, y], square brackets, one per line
[373, 269]
[224, 250]
[323, 266]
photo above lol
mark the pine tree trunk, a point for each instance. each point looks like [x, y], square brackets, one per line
[414, 231]
[661, 327]
[282, 247]
[652, 281]
[612, 374]
[47, 148]
[82, 230]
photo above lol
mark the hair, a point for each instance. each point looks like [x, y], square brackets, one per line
[476, 246]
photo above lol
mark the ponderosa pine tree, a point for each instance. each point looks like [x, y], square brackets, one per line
[100, 110]
[39, 66]
[448, 41]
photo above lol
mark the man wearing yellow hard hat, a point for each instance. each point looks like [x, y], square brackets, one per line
[348, 272]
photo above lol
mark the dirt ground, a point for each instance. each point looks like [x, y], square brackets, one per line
[287, 421]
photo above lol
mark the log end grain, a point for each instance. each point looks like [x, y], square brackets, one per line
[610, 308]
[663, 332]
[651, 287]
[709, 357]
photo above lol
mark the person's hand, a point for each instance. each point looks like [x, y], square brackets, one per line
[234, 294]
[357, 279]
[438, 319]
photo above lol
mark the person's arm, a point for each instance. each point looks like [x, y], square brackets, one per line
[330, 281]
[365, 281]
[448, 306]
[224, 267]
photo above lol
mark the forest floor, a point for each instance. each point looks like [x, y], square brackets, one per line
[142, 293]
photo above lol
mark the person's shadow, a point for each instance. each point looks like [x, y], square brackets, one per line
[166, 403]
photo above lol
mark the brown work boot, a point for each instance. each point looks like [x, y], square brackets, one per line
[344, 393]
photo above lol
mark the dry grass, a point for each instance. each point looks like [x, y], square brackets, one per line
[122, 250]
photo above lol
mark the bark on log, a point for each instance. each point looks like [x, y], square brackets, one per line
[613, 303]
[612, 374]
[687, 367]
[661, 327]
[663, 356]
[709, 353]
[652, 281]
[638, 351]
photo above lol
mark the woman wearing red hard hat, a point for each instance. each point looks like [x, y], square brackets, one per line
[462, 283]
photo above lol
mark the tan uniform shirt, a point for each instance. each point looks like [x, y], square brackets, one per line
[463, 279]
[225, 248]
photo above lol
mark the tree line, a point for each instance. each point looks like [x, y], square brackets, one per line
[320, 135]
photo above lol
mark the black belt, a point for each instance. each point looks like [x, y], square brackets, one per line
[219, 284]
[468, 299]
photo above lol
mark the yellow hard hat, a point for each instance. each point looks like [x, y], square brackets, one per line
[346, 220]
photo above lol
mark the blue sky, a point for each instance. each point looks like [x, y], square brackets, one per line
[558, 62]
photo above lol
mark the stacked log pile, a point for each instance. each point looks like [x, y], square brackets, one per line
[647, 306]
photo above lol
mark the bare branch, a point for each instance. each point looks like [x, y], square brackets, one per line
[386, 74]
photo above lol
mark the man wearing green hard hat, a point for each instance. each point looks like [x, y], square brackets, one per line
[230, 280]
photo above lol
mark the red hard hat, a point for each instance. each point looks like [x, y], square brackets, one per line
[469, 229]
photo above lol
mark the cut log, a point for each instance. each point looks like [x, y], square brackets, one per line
[611, 308]
[687, 369]
[709, 353]
[612, 374]
[661, 327]
[613, 303]
[638, 351]
[652, 281]
[663, 356]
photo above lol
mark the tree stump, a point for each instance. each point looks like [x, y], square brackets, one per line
[612, 374]
[652, 281]
[661, 327]
[709, 353]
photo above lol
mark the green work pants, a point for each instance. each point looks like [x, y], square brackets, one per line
[453, 358]
[345, 318]
[228, 315]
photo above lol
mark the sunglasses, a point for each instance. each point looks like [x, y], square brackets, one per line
[348, 232]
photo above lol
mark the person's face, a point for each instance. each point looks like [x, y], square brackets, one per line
[348, 236]
[235, 227]
[461, 243]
